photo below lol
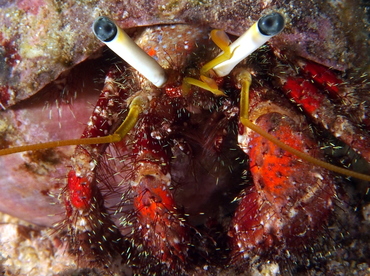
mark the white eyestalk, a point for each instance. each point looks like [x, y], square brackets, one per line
[265, 28]
[119, 42]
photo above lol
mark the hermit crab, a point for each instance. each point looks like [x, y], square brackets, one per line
[214, 169]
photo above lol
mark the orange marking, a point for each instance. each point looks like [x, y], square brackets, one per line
[152, 52]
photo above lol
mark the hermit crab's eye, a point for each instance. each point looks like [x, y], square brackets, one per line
[271, 24]
[105, 29]
[265, 28]
[119, 42]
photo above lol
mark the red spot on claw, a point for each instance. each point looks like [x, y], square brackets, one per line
[152, 202]
[79, 191]
[161, 227]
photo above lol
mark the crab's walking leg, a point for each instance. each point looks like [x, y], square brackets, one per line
[291, 199]
[159, 224]
[344, 124]
[90, 230]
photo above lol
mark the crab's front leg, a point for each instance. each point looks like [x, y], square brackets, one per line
[290, 199]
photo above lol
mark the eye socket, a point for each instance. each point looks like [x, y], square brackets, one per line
[271, 24]
[104, 29]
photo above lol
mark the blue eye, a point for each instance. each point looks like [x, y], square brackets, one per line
[271, 24]
[104, 29]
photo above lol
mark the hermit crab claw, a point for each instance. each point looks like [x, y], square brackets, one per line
[119, 42]
[265, 28]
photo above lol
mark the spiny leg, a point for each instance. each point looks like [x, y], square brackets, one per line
[91, 233]
[158, 223]
[319, 96]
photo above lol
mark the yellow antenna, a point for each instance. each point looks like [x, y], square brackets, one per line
[130, 121]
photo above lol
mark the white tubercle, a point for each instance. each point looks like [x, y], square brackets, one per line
[257, 35]
[119, 42]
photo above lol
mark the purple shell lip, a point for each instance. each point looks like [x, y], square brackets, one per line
[60, 111]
